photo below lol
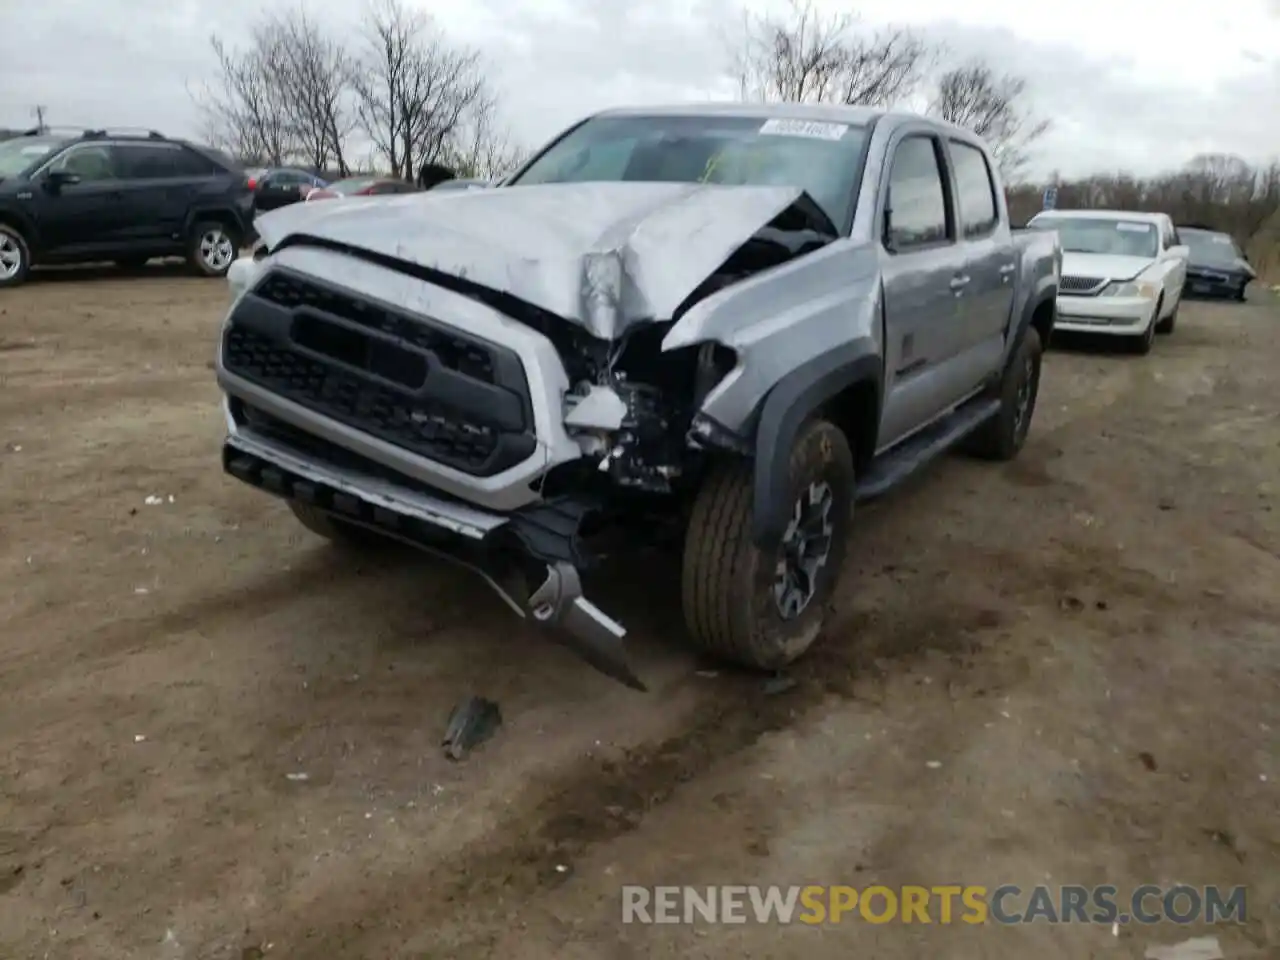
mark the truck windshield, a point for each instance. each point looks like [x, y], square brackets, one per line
[1126, 238]
[818, 157]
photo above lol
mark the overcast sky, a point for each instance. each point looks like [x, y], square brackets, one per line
[1139, 84]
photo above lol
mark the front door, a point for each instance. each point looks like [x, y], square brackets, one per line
[924, 289]
[81, 217]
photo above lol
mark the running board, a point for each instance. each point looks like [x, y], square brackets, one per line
[894, 466]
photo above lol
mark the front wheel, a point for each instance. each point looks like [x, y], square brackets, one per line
[1142, 343]
[1001, 437]
[15, 257]
[212, 248]
[1167, 325]
[764, 608]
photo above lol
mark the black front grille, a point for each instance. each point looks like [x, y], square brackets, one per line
[1208, 276]
[1079, 285]
[452, 351]
[457, 401]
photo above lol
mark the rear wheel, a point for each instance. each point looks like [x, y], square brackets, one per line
[211, 248]
[1001, 437]
[764, 608]
[15, 257]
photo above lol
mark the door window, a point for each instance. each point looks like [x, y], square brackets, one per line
[90, 162]
[189, 163]
[975, 190]
[145, 161]
[917, 199]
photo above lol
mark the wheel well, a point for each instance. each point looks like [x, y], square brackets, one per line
[13, 224]
[1042, 320]
[224, 217]
[856, 411]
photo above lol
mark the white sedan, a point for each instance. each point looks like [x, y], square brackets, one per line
[1122, 272]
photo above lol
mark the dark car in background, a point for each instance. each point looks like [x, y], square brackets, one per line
[1217, 266]
[363, 187]
[275, 187]
[118, 195]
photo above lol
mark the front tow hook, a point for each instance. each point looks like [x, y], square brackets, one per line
[583, 627]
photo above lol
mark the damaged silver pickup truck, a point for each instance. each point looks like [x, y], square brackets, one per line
[723, 323]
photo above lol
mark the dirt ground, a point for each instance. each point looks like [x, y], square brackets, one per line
[1063, 670]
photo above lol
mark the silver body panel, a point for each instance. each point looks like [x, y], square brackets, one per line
[608, 256]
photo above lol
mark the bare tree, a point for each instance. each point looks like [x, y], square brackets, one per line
[315, 81]
[248, 111]
[414, 91]
[994, 107]
[807, 56]
[483, 150]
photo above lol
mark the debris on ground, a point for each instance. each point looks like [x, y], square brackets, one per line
[779, 683]
[472, 722]
[1197, 948]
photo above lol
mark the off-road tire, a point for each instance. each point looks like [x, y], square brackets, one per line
[202, 262]
[1142, 343]
[1168, 324]
[326, 525]
[1002, 437]
[13, 242]
[728, 598]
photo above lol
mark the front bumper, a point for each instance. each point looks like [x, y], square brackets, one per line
[505, 551]
[1215, 284]
[1119, 316]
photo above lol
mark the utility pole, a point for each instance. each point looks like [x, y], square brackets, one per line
[38, 111]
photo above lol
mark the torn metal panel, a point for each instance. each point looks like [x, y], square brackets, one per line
[603, 255]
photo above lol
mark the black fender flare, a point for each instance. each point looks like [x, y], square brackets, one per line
[1045, 292]
[25, 225]
[215, 212]
[786, 407]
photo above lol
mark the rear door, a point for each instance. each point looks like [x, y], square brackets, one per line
[924, 284]
[990, 259]
[157, 183]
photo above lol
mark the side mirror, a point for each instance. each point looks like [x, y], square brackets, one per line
[57, 179]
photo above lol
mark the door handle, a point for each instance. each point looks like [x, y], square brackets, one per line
[1007, 269]
[959, 283]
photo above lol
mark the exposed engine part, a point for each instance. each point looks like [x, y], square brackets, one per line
[643, 454]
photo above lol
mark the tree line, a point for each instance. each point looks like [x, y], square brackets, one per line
[297, 93]
[805, 55]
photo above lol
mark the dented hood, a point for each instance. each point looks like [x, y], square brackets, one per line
[603, 255]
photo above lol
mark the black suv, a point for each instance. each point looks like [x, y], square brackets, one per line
[126, 197]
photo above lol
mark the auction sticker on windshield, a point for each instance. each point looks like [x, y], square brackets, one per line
[804, 128]
[1134, 227]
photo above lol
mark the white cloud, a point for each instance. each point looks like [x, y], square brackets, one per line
[1127, 83]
